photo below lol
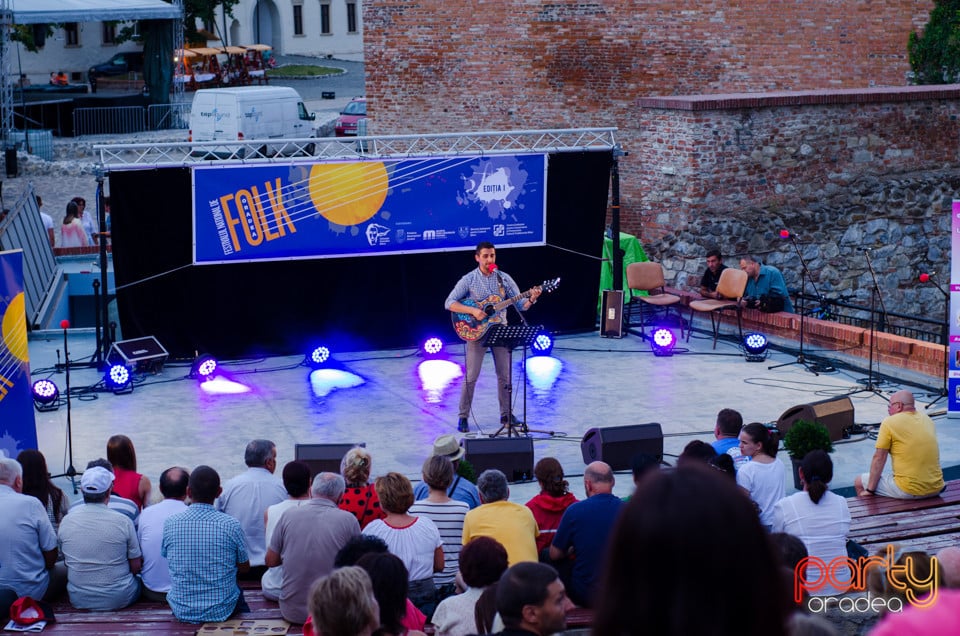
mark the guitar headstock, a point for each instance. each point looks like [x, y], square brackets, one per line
[549, 285]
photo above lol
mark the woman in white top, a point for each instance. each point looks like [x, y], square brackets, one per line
[817, 517]
[764, 475]
[72, 233]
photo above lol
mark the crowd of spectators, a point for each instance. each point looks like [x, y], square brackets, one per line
[347, 554]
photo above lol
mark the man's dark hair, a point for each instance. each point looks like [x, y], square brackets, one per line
[204, 484]
[642, 463]
[356, 547]
[729, 422]
[95, 497]
[696, 451]
[174, 482]
[258, 452]
[484, 245]
[524, 584]
[296, 478]
[789, 548]
[714, 252]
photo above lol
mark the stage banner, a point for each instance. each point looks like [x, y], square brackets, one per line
[244, 213]
[18, 430]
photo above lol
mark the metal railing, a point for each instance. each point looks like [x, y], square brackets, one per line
[120, 120]
[906, 325]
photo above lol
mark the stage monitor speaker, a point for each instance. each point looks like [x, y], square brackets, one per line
[513, 456]
[611, 320]
[322, 457]
[139, 351]
[618, 445]
[834, 413]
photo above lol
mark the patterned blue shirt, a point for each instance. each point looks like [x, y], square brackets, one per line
[478, 287]
[202, 548]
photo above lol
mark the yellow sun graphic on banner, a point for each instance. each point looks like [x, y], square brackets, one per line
[348, 193]
[14, 328]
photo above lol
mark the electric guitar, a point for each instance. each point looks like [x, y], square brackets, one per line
[470, 329]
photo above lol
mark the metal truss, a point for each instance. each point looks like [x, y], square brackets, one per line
[6, 78]
[169, 154]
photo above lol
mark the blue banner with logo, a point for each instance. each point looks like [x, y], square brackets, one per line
[18, 430]
[248, 213]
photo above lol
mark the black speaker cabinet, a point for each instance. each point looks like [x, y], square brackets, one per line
[513, 456]
[618, 445]
[611, 321]
[322, 457]
[835, 413]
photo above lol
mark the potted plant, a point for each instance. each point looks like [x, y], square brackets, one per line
[803, 437]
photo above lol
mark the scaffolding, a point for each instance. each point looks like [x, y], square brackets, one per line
[6, 79]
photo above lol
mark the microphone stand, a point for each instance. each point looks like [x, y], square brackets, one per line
[71, 471]
[812, 367]
[869, 384]
[944, 392]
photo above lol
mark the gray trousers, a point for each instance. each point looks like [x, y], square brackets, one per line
[502, 361]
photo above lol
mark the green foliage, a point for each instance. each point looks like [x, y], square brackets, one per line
[203, 11]
[465, 469]
[805, 436]
[935, 55]
[23, 33]
[301, 70]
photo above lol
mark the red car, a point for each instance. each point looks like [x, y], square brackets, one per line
[354, 111]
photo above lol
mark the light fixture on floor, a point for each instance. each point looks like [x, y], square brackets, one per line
[663, 341]
[203, 368]
[118, 379]
[755, 347]
[318, 357]
[46, 395]
[432, 347]
[542, 344]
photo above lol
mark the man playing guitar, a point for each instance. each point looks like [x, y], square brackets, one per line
[479, 285]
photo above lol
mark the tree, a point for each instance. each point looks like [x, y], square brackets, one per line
[935, 55]
[205, 11]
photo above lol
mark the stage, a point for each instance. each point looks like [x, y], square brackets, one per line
[600, 382]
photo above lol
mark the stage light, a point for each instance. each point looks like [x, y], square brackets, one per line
[203, 368]
[432, 347]
[318, 357]
[542, 344]
[663, 341]
[46, 395]
[118, 379]
[755, 347]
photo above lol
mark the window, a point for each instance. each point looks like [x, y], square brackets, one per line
[351, 17]
[325, 18]
[298, 19]
[71, 33]
[109, 33]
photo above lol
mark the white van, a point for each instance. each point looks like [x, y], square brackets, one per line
[249, 113]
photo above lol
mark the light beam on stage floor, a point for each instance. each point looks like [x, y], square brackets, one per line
[435, 376]
[220, 385]
[324, 381]
[542, 372]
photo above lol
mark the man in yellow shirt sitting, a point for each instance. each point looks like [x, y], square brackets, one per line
[510, 523]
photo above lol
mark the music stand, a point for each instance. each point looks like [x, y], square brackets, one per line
[513, 336]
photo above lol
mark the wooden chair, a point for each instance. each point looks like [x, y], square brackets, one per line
[731, 286]
[648, 277]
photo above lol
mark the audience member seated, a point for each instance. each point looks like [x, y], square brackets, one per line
[792, 553]
[100, 549]
[28, 549]
[205, 551]
[671, 540]
[128, 483]
[342, 604]
[124, 506]
[949, 559]
[819, 518]
[482, 562]
[461, 489]
[415, 540]
[389, 579]
[696, 451]
[360, 498]
[724, 464]
[447, 514]
[548, 506]
[306, 541]
[727, 431]
[641, 465]
[155, 574]
[915, 584]
[585, 531]
[296, 480]
[37, 483]
[531, 600]
[511, 524]
[942, 619]
[909, 438]
[764, 476]
[764, 281]
[247, 496]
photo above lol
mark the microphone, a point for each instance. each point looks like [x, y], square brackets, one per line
[64, 324]
[491, 268]
[784, 234]
[924, 277]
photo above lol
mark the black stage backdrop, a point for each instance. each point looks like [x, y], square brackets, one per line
[359, 303]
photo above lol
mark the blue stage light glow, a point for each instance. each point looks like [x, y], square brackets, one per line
[542, 345]
[663, 341]
[436, 376]
[432, 346]
[45, 392]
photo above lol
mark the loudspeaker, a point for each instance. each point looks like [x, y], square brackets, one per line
[618, 445]
[834, 413]
[611, 320]
[322, 457]
[139, 351]
[513, 456]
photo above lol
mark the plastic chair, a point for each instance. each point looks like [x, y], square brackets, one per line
[648, 277]
[731, 286]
